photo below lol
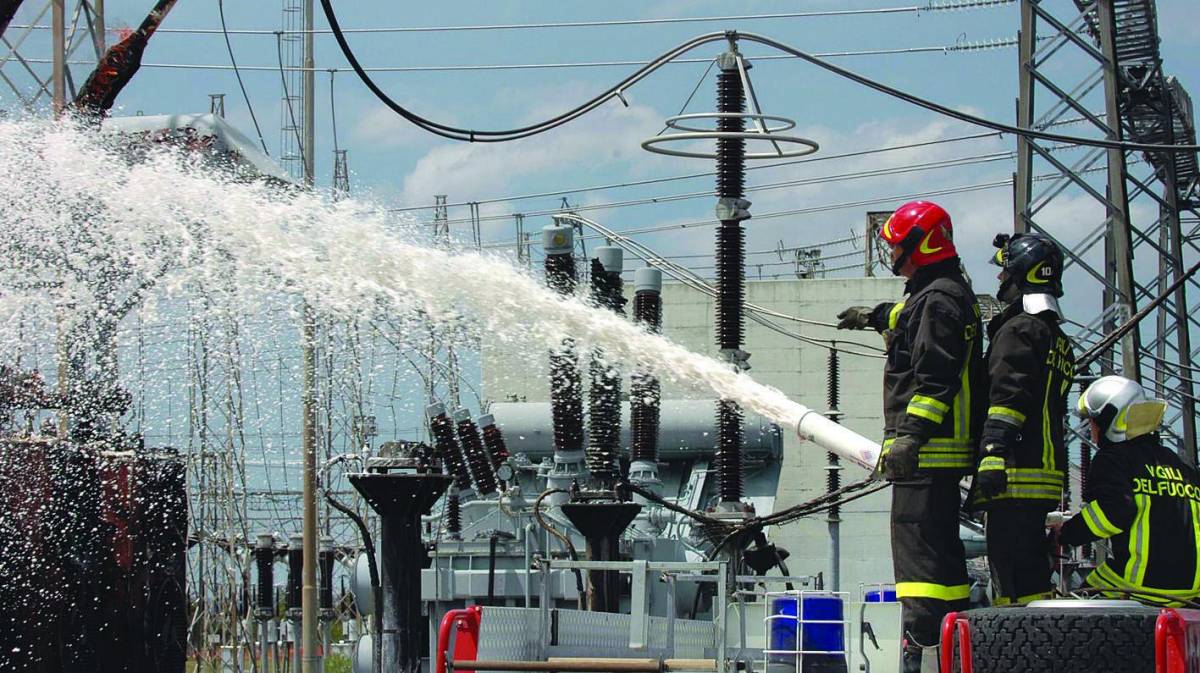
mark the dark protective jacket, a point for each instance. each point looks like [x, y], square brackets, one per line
[1146, 502]
[933, 359]
[1030, 367]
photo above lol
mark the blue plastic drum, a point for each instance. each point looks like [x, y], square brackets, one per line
[885, 596]
[825, 639]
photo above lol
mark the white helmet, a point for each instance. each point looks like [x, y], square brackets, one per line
[1122, 408]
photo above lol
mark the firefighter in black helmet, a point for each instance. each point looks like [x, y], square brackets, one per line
[1022, 455]
[930, 429]
[1141, 497]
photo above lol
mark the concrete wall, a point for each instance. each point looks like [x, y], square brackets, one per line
[797, 368]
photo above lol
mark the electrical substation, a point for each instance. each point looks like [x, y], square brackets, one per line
[253, 422]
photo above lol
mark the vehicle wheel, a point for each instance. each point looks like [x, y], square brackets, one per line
[1067, 636]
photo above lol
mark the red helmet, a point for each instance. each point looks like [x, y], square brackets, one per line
[923, 231]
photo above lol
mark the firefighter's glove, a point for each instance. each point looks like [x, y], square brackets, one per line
[991, 479]
[855, 317]
[900, 462]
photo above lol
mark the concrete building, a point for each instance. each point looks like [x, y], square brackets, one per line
[797, 368]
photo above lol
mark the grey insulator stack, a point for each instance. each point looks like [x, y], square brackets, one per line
[645, 394]
[566, 385]
[604, 399]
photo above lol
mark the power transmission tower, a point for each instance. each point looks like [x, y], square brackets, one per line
[216, 104]
[341, 175]
[77, 33]
[1120, 92]
[292, 122]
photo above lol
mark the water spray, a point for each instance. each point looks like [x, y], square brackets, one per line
[645, 391]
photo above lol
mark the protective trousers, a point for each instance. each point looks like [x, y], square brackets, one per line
[1018, 554]
[927, 555]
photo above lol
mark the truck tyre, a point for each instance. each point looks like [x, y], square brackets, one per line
[1062, 637]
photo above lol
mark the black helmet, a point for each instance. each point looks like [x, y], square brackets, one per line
[1034, 264]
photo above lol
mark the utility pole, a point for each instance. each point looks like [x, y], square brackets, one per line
[58, 25]
[98, 34]
[310, 662]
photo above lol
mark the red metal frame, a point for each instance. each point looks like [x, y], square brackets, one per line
[1177, 641]
[955, 624]
[465, 623]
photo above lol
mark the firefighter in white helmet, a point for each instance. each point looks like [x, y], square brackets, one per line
[1140, 496]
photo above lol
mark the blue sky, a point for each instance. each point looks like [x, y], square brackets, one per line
[397, 164]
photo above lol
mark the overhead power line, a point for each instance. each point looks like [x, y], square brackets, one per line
[705, 174]
[799, 182]
[962, 47]
[616, 91]
[909, 9]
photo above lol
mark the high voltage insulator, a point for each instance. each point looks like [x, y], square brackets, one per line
[295, 559]
[730, 261]
[264, 561]
[325, 561]
[446, 445]
[566, 385]
[833, 471]
[493, 440]
[645, 393]
[604, 400]
[453, 512]
[478, 464]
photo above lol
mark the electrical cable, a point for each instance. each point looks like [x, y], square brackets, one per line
[474, 135]
[957, 162]
[686, 103]
[707, 174]
[376, 585]
[962, 116]
[562, 537]
[683, 275]
[238, 74]
[333, 113]
[1089, 356]
[930, 7]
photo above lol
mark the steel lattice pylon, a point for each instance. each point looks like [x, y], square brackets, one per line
[1117, 90]
[81, 42]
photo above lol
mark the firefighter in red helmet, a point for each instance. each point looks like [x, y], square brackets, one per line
[930, 417]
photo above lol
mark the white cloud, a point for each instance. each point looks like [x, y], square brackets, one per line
[605, 137]
[381, 128]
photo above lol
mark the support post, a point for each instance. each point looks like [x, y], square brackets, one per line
[1119, 225]
[58, 26]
